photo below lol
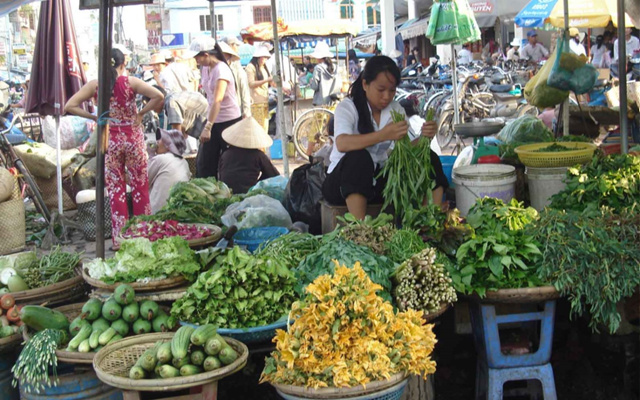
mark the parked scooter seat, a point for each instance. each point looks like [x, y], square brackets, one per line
[505, 97]
[501, 88]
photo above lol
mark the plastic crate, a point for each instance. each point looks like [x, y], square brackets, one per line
[252, 238]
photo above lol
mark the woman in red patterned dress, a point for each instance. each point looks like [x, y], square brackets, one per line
[126, 149]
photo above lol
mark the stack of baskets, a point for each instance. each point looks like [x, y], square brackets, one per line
[86, 200]
[49, 190]
[12, 216]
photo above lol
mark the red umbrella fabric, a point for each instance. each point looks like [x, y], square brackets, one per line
[57, 72]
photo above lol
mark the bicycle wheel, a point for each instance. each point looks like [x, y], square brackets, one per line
[445, 128]
[310, 131]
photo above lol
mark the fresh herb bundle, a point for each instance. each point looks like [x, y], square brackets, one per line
[373, 233]
[31, 369]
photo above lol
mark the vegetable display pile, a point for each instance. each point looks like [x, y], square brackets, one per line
[154, 230]
[379, 268]
[403, 244]
[408, 171]
[523, 130]
[9, 316]
[345, 335]
[239, 291]
[101, 323]
[592, 257]
[554, 148]
[423, 284]
[291, 248]
[501, 253]
[140, 259]
[31, 369]
[612, 181]
[441, 229]
[191, 351]
[25, 271]
[373, 233]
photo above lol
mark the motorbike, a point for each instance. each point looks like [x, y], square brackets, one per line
[633, 69]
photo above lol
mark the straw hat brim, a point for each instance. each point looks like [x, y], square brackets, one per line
[227, 50]
[247, 134]
[321, 54]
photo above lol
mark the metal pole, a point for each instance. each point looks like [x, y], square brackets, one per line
[106, 29]
[565, 106]
[622, 74]
[214, 25]
[58, 161]
[454, 82]
[10, 48]
[280, 107]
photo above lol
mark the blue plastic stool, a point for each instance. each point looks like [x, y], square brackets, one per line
[496, 368]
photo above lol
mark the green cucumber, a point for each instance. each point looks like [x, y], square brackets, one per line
[93, 339]
[197, 357]
[213, 345]
[84, 334]
[180, 362]
[167, 371]
[77, 324]
[84, 347]
[40, 318]
[180, 342]
[202, 334]
[210, 363]
[164, 353]
[115, 338]
[148, 359]
[106, 336]
[136, 373]
[188, 370]
[227, 355]
[100, 324]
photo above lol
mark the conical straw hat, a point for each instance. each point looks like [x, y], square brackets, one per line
[247, 134]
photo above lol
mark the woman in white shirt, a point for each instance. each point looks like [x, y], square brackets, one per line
[363, 135]
[600, 54]
[465, 56]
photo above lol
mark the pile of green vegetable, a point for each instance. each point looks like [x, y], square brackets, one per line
[139, 259]
[191, 351]
[592, 257]
[403, 244]
[501, 253]
[239, 291]
[408, 171]
[291, 248]
[25, 271]
[523, 130]
[423, 284]
[373, 233]
[612, 181]
[378, 267]
[553, 148]
[444, 230]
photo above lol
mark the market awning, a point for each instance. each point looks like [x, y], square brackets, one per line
[413, 28]
[582, 13]
[311, 28]
[487, 11]
[367, 38]
[9, 5]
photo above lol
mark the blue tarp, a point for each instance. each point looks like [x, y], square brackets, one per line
[535, 13]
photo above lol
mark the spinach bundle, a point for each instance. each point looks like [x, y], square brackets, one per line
[592, 257]
[501, 253]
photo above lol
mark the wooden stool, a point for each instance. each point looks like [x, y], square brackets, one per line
[329, 214]
[203, 392]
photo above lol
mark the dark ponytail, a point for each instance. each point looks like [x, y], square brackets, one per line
[256, 64]
[217, 52]
[329, 63]
[117, 59]
[373, 67]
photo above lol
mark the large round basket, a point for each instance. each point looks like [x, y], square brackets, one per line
[153, 285]
[580, 153]
[435, 314]
[58, 293]
[257, 334]
[391, 388]
[9, 343]
[518, 296]
[112, 364]
[216, 234]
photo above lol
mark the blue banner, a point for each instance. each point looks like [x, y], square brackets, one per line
[535, 13]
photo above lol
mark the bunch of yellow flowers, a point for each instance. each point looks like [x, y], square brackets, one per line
[345, 335]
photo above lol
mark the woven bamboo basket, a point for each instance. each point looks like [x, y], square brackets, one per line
[154, 285]
[341, 393]
[191, 160]
[112, 364]
[435, 314]
[10, 343]
[12, 223]
[58, 293]
[171, 294]
[49, 190]
[71, 311]
[518, 296]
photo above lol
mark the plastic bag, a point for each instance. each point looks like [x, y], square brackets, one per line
[525, 129]
[74, 131]
[571, 71]
[256, 211]
[538, 93]
[303, 195]
[274, 187]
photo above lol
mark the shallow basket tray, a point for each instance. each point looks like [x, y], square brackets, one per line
[216, 234]
[10, 343]
[435, 314]
[58, 293]
[581, 154]
[392, 387]
[257, 334]
[154, 285]
[518, 296]
[112, 364]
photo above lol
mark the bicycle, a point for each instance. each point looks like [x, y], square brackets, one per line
[9, 159]
[310, 129]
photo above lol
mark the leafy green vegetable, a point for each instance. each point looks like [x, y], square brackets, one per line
[403, 244]
[373, 233]
[612, 181]
[501, 253]
[443, 230]
[378, 267]
[290, 248]
[523, 130]
[140, 259]
[553, 148]
[592, 257]
[240, 291]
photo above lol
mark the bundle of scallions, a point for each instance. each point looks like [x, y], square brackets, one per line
[408, 171]
[39, 353]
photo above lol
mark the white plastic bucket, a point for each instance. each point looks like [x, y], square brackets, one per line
[483, 180]
[544, 183]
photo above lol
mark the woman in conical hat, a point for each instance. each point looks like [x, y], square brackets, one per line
[244, 164]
